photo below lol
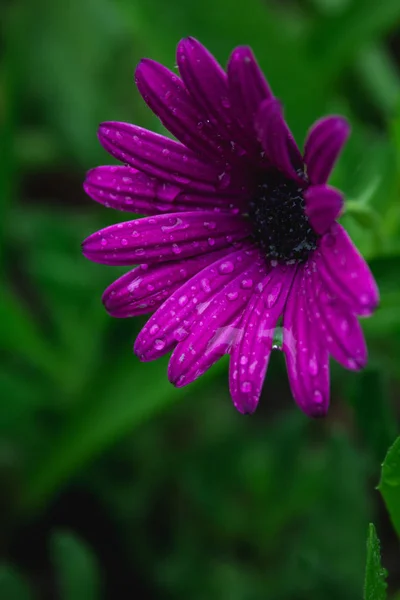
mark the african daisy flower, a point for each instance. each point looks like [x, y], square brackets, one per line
[240, 232]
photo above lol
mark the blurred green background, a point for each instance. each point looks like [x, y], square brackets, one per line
[113, 483]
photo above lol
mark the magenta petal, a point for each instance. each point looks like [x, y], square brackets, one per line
[323, 206]
[340, 329]
[306, 355]
[247, 86]
[277, 141]
[145, 288]
[168, 98]
[156, 155]
[207, 83]
[345, 272]
[324, 143]
[250, 354]
[165, 237]
[173, 320]
[215, 329]
[126, 189]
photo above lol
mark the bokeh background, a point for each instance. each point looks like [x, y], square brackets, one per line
[113, 484]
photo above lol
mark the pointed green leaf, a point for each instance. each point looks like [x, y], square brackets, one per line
[375, 575]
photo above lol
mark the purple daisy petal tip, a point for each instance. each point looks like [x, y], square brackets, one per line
[323, 206]
[324, 143]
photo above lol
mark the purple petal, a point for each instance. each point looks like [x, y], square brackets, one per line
[250, 355]
[306, 355]
[277, 141]
[165, 237]
[207, 83]
[168, 98]
[216, 329]
[145, 288]
[173, 320]
[247, 87]
[157, 155]
[340, 329]
[323, 206]
[126, 189]
[345, 272]
[324, 143]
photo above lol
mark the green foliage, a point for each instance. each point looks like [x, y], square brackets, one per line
[389, 485]
[12, 585]
[269, 507]
[77, 573]
[375, 575]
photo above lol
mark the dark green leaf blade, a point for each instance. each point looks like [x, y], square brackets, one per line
[389, 485]
[375, 575]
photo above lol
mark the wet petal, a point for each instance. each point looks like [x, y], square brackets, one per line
[345, 272]
[323, 145]
[250, 354]
[124, 188]
[323, 206]
[165, 237]
[173, 320]
[306, 355]
[277, 141]
[248, 87]
[156, 155]
[167, 96]
[207, 84]
[340, 329]
[145, 288]
[215, 329]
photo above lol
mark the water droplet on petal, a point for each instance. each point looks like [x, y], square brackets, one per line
[244, 360]
[159, 344]
[246, 284]
[318, 397]
[154, 329]
[246, 387]
[313, 366]
[176, 249]
[104, 242]
[183, 300]
[226, 267]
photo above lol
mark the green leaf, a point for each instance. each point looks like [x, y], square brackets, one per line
[76, 568]
[389, 485]
[12, 585]
[375, 575]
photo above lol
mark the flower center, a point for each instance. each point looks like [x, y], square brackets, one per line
[281, 226]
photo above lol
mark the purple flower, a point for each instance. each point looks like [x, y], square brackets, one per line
[240, 232]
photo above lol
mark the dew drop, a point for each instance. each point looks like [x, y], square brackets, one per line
[154, 329]
[246, 387]
[318, 397]
[205, 284]
[313, 366]
[246, 284]
[159, 344]
[176, 249]
[104, 242]
[244, 360]
[226, 267]
[232, 295]
[183, 300]
[124, 242]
